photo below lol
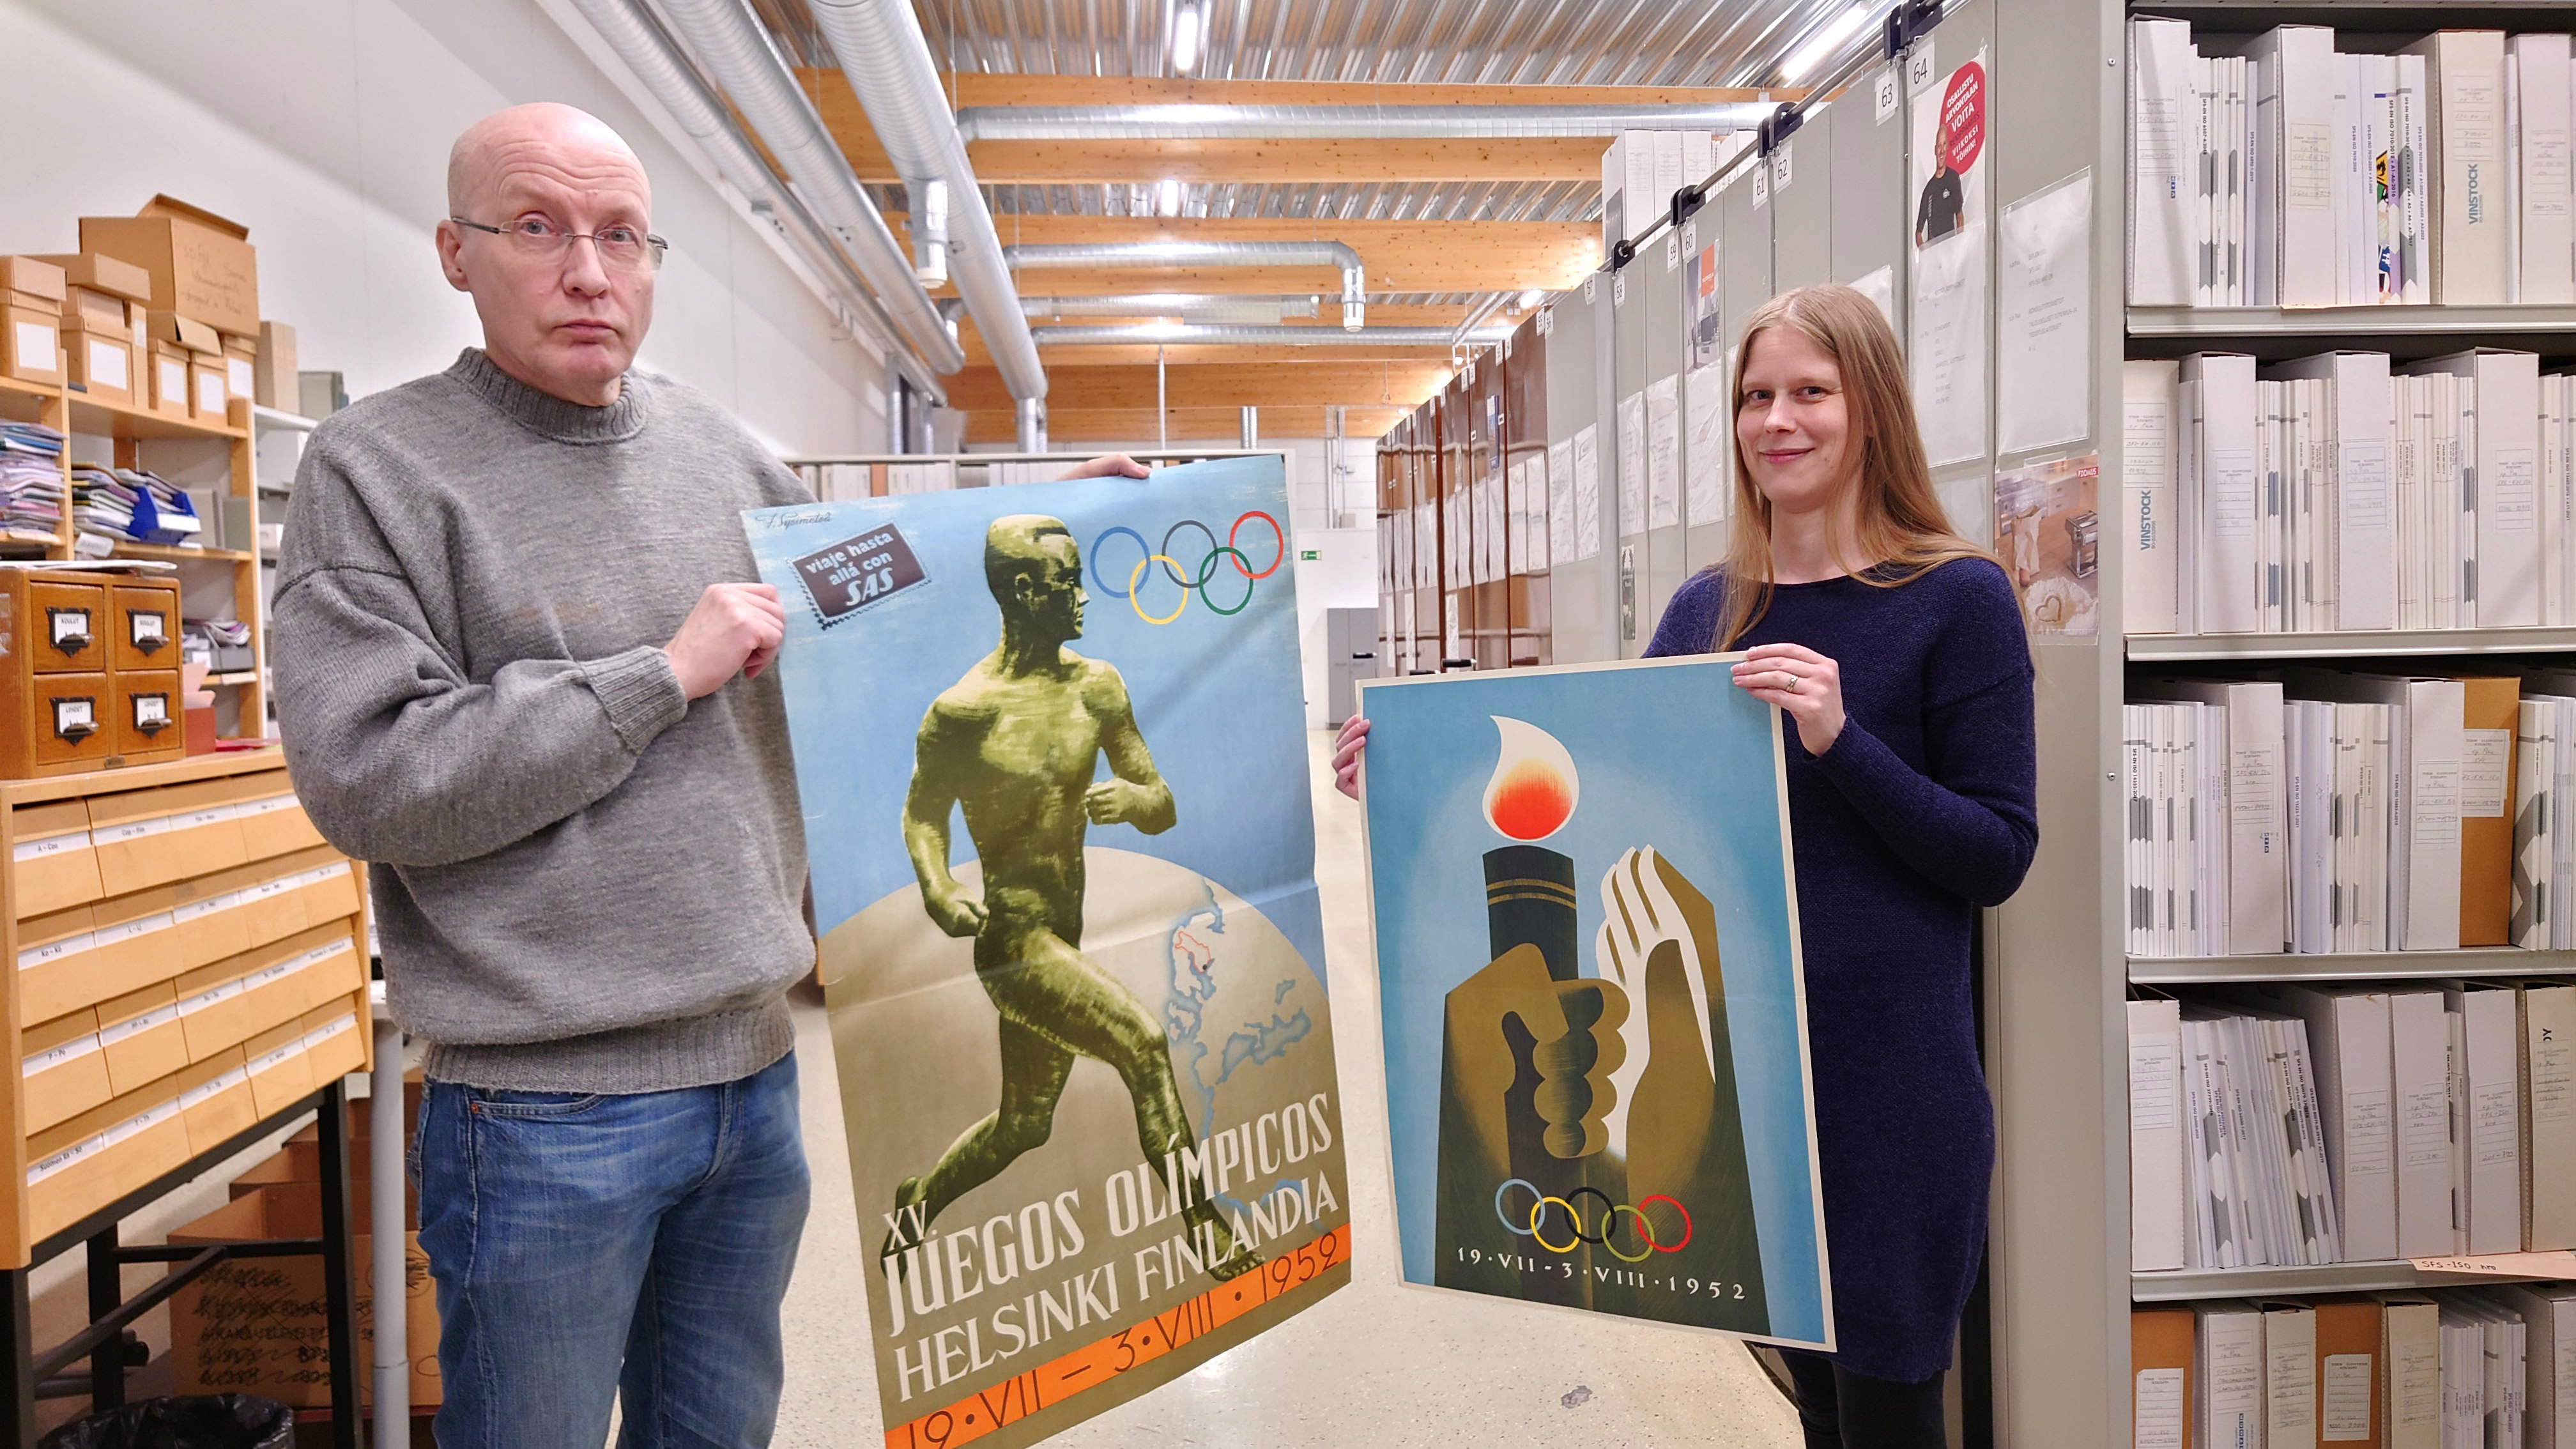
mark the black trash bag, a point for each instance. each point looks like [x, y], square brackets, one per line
[200, 1421]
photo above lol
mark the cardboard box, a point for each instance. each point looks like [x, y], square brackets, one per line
[104, 274]
[29, 349]
[212, 395]
[168, 376]
[214, 1097]
[140, 1035]
[97, 311]
[54, 961]
[64, 1072]
[55, 866]
[255, 1326]
[241, 365]
[31, 282]
[100, 364]
[185, 331]
[200, 263]
[273, 383]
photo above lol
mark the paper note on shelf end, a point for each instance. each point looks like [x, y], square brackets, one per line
[2560, 1263]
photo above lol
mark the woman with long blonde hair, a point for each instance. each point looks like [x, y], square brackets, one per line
[1895, 650]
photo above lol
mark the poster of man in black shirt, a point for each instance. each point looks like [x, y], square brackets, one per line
[1944, 206]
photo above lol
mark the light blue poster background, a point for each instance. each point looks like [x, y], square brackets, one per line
[1218, 697]
[1671, 756]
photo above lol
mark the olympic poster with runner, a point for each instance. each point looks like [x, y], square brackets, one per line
[1051, 752]
[1587, 951]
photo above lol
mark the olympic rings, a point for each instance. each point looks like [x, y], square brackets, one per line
[1608, 1220]
[1167, 548]
[1276, 532]
[1173, 569]
[1098, 578]
[1139, 572]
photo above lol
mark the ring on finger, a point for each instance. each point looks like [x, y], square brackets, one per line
[1792, 685]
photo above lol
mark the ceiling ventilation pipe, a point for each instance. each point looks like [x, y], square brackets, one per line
[1208, 254]
[880, 48]
[654, 57]
[1180, 333]
[1187, 306]
[1319, 123]
[740, 57]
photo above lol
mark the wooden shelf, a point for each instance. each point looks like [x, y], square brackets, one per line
[2349, 966]
[2350, 644]
[171, 554]
[124, 420]
[2393, 1273]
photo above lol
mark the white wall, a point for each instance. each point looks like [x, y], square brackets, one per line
[323, 126]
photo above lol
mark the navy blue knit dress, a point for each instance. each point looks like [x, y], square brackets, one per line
[1923, 807]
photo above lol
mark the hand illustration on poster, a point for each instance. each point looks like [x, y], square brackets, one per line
[1629, 1131]
[1050, 759]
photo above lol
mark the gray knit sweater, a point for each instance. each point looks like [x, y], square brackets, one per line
[584, 882]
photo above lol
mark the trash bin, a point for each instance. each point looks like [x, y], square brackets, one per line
[200, 1421]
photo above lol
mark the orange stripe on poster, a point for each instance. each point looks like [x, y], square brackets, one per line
[1093, 1364]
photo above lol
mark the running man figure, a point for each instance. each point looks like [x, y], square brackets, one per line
[1015, 743]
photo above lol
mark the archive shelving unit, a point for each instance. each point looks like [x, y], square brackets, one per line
[2058, 968]
[214, 583]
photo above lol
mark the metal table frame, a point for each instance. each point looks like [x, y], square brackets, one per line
[28, 1373]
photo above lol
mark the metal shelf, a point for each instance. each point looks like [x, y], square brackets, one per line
[271, 418]
[2222, 322]
[2347, 644]
[2393, 1273]
[2349, 966]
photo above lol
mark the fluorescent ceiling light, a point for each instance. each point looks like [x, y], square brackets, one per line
[1167, 197]
[1185, 36]
[1533, 297]
[1817, 51]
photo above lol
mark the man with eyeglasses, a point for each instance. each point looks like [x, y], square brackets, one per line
[519, 669]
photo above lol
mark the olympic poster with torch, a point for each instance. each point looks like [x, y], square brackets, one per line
[1051, 758]
[1587, 949]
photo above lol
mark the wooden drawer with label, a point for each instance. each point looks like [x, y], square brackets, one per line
[191, 961]
[89, 673]
[144, 627]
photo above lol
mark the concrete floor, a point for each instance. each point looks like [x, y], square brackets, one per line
[1377, 1363]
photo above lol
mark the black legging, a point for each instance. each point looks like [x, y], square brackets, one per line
[1840, 1409]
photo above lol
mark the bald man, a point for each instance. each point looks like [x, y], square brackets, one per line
[520, 668]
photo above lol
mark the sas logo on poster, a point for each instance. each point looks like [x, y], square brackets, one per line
[857, 572]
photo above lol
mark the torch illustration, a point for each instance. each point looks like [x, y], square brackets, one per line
[1529, 889]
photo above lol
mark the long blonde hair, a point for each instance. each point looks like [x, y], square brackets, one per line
[1901, 525]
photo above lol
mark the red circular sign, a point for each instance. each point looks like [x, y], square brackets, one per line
[1963, 115]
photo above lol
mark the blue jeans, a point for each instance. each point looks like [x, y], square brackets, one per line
[587, 1247]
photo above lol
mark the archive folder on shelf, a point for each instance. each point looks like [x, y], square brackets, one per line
[2229, 1371]
[2356, 449]
[2548, 1022]
[2158, 1218]
[2548, 1313]
[2464, 125]
[2230, 579]
[2289, 1376]
[2489, 708]
[2411, 1371]
[2257, 897]
[2350, 1370]
[2540, 127]
[2164, 170]
[2499, 484]
[2148, 540]
[2348, 1039]
[2425, 750]
[2419, 1054]
[2493, 1148]
[2160, 1376]
[2294, 111]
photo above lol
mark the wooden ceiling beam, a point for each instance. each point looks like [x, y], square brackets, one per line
[1070, 429]
[1400, 256]
[1272, 161]
[1212, 385]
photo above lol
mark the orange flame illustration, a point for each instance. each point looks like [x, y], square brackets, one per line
[1533, 791]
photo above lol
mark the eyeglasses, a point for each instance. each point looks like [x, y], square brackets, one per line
[621, 248]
